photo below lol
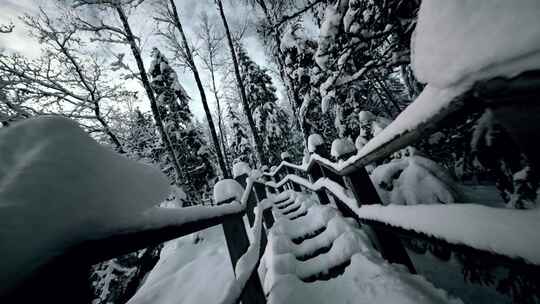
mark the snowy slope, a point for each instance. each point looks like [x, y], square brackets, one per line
[189, 272]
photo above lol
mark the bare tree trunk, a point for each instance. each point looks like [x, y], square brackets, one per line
[242, 89]
[178, 24]
[150, 93]
[220, 120]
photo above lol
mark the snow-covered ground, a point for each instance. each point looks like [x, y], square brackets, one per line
[189, 271]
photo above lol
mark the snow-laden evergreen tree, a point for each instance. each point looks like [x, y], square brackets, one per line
[303, 82]
[241, 148]
[186, 138]
[362, 45]
[271, 121]
[142, 140]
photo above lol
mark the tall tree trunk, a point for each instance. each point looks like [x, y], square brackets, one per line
[242, 89]
[220, 120]
[191, 62]
[150, 93]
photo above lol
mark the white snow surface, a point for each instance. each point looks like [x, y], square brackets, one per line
[241, 168]
[462, 41]
[226, 189]
[482, 227]
[59, 187]
[189, 273]
[314, 140]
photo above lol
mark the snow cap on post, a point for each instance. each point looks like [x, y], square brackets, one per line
[342, 148]
[240, 168]
[286, 156]
[314, 140]
[227, 189]
[360, 142]
[366, 116]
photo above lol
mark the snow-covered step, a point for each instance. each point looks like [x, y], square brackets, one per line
[312, 255]
[322, 256]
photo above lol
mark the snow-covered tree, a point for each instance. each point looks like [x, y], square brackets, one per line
[495, 151]
[185, 137]
[303, 80]
[362, 45]
[241, 148]
[271, 121]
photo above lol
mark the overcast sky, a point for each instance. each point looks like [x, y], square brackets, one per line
[142, 22]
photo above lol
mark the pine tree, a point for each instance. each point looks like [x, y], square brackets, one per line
[241, 147]
[243, 96]
[141, 142]
[271, 121]
[186, 138]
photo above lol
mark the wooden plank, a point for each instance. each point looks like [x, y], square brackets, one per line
[362, 187]
[260, 192]
[314, 174]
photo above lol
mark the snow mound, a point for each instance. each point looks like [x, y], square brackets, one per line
[467, 40]
[59, 187]
[226, 189]
[183, 265]
[285, 155]
[241, 168]
[342, 146]
[414, 180]
[314, 140]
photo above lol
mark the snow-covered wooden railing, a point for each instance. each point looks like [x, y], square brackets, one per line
[430, 111]
[67, 202]
[460, 229]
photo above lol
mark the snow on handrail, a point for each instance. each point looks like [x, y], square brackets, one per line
[432, 106]
[480, 227]
[248, 261]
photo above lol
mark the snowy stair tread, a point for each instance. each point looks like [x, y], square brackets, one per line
[320, 254]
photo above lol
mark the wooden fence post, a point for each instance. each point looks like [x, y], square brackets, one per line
[267, 214]
[314, 174]
[389, 244]
[285, 156]
[237, 244]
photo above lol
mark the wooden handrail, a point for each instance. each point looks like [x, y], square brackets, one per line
[482, 94]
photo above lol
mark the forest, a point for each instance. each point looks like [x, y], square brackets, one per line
[280, 151]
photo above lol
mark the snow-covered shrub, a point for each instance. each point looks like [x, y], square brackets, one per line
[493, 150]
[412, 180]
